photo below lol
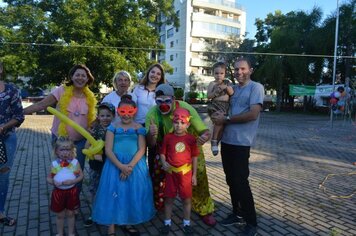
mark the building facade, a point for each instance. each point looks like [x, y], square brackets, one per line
[201, 22]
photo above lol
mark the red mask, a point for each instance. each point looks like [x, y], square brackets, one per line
[126, 110]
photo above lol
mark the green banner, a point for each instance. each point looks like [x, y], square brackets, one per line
[301, 90]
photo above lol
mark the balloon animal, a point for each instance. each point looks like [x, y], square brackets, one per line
[96, 145]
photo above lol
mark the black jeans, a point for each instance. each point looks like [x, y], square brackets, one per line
[235, 160]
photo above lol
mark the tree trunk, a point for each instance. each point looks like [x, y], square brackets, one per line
[279, 98]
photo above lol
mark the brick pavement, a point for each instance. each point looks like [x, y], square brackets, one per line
[292, 155]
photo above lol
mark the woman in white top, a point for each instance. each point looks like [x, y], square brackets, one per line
[145, 91]
[121, 82]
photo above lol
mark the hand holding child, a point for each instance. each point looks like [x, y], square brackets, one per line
[203, 138]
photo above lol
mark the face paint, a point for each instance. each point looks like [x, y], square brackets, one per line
[127, 110]
[160, 101]
[165, 108]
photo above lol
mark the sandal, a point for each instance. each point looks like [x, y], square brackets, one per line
[8, 221]
[130, 230]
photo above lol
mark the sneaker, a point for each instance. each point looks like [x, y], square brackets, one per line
[209, 220]
[188, 230]
[165, 230]
[89, 222]
[215, 149]
[249, 230]
[233, 219]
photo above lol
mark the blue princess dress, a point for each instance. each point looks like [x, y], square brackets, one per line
[124, 202]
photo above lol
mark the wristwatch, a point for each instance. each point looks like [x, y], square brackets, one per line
[227, 119]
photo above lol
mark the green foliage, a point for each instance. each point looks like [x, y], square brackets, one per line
[52, 36]
[192, 95]
[178, 93]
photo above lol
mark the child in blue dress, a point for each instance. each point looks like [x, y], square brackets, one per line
[124, 195]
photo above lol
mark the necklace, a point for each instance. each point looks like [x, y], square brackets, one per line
[64, 103]
[76, 101]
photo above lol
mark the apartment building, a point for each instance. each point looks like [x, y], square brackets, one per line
[201, 22]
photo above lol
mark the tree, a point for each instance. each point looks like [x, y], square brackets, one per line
[346, 40]
[288, 34]
[228, 51]
[105, 35]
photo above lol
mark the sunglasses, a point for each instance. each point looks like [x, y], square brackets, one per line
[160, 101]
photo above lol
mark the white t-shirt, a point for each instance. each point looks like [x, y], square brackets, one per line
[145, 100]
[115, 99]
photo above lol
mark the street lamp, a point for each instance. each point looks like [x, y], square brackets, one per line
[335, 53]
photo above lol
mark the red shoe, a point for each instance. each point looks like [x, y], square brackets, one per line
[209, 220]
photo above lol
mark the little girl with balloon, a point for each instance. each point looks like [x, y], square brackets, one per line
[64, 175]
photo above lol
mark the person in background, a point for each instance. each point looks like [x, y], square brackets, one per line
[159, 123]
[239, 134]
[121, 83]
[11, 116]
[75, 100]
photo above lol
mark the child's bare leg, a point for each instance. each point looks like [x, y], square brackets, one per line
[111, 229]
[187, 206]
[168, 205]
[60, 222]
[70, 222]
[217, 133]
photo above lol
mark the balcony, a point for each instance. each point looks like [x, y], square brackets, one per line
[224, 5]
[198, 16]
[197, 47]
[206, 33]
[199, 62]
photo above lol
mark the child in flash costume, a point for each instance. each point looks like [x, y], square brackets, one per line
[201, 201]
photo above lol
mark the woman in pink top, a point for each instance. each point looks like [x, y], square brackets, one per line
[75, 100]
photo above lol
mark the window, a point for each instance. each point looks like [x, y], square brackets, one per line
[177, 13]
[162, 39]
[171, 44]
[170, 33]
[171, 57]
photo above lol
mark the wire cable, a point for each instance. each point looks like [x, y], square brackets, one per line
[178, 50]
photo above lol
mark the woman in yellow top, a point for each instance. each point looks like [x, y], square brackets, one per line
[75, 100]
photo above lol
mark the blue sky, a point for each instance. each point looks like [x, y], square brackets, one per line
[260, 9]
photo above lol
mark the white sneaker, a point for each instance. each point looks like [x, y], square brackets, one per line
[215, 149]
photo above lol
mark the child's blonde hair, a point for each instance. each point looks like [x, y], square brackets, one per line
[63, 141]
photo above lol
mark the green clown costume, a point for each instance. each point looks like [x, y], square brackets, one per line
[202, 203]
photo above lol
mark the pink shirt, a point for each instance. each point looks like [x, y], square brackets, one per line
[77, 111]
